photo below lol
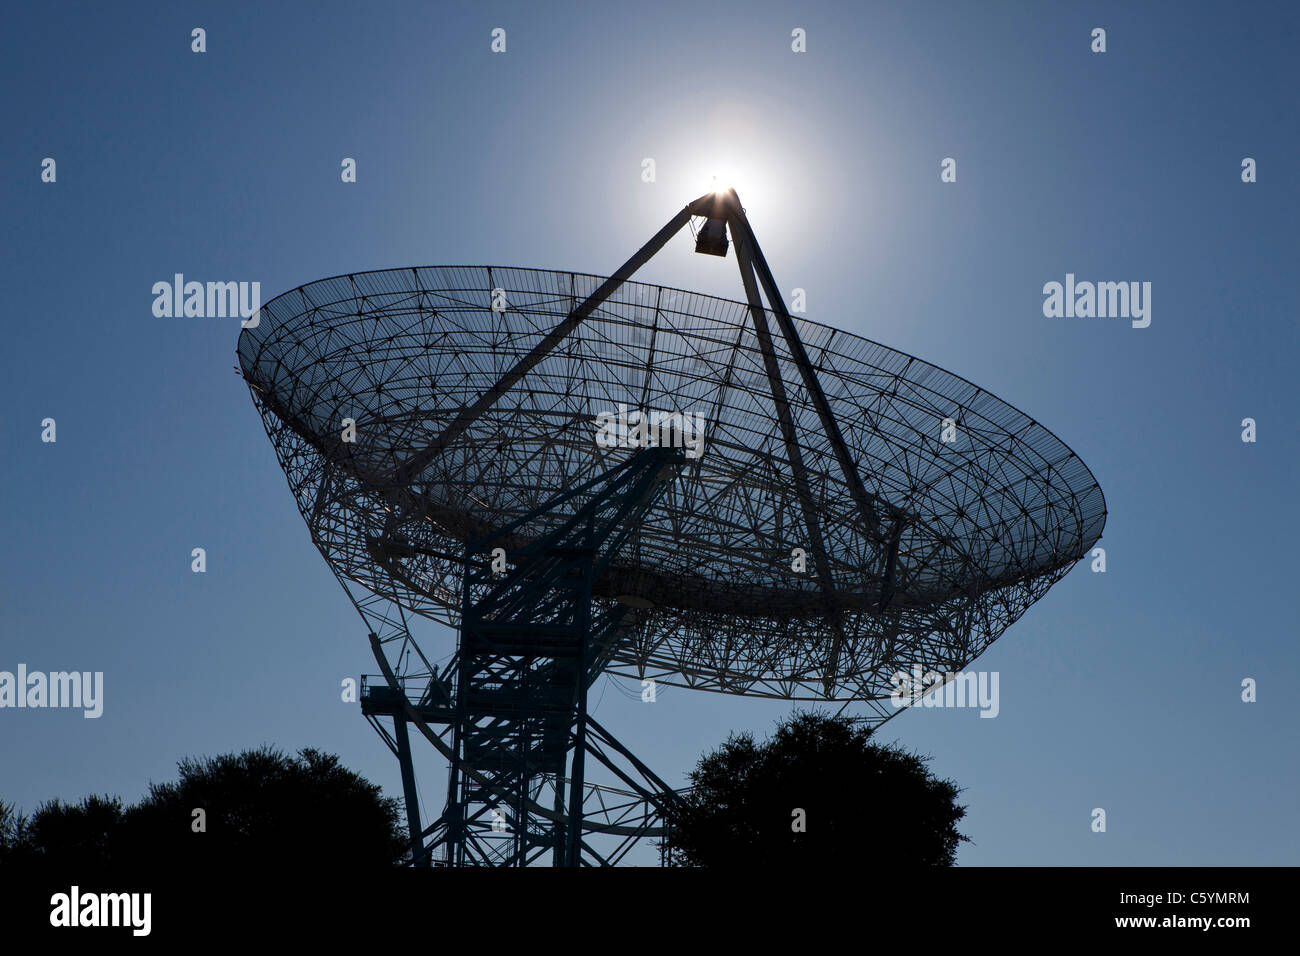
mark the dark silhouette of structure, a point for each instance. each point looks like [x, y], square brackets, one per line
[441, 430]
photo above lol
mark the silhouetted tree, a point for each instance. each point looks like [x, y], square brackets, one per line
[855, 802]
[258, 807]
[79, 832]
[261, 805]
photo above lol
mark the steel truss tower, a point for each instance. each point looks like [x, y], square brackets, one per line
[530, 648]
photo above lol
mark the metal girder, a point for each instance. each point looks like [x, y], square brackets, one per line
[489, 398]
[821, 560]
[866, 502]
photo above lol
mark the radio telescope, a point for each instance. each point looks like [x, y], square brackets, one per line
[814, 513]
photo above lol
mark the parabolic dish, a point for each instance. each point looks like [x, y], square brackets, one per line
[986, 522]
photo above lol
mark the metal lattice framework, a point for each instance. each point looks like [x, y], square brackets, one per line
[473, 394]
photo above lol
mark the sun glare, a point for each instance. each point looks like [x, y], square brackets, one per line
[721, 176]
[757, 179]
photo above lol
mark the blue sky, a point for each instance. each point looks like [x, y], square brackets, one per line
[1118, 690]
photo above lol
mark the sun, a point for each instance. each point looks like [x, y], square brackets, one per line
[745, 178]
[756, 177]
[720, 181]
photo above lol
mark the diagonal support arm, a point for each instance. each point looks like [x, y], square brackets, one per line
[421, 460]
[868, 504]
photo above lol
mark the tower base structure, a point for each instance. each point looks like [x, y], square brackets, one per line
[510, 710]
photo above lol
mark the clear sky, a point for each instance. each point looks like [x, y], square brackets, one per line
[1119, 690]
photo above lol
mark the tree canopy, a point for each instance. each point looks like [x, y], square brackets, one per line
[817, 793]
[233, 810]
